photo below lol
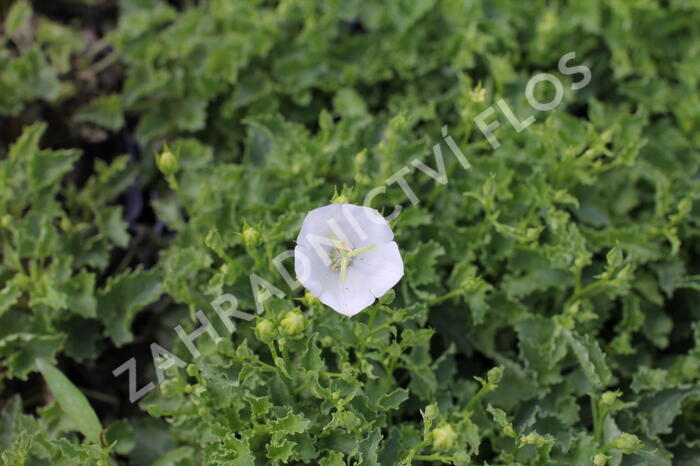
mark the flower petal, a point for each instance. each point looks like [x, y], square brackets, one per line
[348, 297]
[312, 272]
[361, 226]
[382, 266]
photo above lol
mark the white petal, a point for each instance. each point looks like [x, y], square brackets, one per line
[348, 297]
[382, 266]
[361, 226]
[312, 272]
[369, 276]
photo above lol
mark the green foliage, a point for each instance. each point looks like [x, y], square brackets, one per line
[71, 401]
[547, 314]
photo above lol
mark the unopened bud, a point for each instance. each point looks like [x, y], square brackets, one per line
[444, 437]
[251, 236]
[341, 198]
[494, 377]
[431, 412]
[533, 438]
[265, 331]
[478, 94]
[310, 300]
[628, 443]
[167, 162]
[609, 398]
[292, 323]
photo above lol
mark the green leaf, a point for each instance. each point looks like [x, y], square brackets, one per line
[105, 111]
[369, 448]
[590, 357]
[80, 294]
[48, 167]
[393, 400]
[72, 401]
[122, 297]
[122, 433]
[658, 410]
[420, 263]
[19, 15]
[20, 350]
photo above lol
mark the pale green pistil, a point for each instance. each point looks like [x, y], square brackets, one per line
[343, 254]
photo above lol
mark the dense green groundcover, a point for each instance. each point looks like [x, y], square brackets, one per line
[549, 312]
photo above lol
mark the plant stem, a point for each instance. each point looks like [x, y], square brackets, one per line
[482, 391]
[172, 181]
[446, 296]
[412, 452]
[279, 364]
[443, 459]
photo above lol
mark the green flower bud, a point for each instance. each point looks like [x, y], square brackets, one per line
[167, 162]
[6, 220]
[478, 94]
[614, 257]
[251, 236]
[341, 198]
[265, 331]
[533, 438]
[609, 398]
[292, 323]
[444, 437]
[628, 443]
[494, 376]
[431, 412]
[192, 370]
[310, 300]
[600, 459]
[388, 297]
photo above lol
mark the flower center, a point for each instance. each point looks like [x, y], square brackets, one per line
[342, 255]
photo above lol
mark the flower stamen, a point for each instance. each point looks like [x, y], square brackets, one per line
[343, 255]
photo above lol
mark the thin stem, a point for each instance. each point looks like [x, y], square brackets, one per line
[172, 181]
[285, 352]
[585, 291]
[279, 364]
[599, 413]
[443, 459]
[446, 296]
[263, 364]
[412, 452]
[482, 391]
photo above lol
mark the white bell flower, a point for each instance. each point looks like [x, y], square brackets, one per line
[346, 256]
